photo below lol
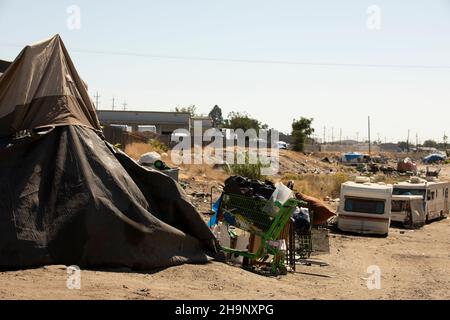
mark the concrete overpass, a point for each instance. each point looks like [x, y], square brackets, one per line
[165, 122]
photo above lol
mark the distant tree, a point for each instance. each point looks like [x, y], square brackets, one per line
[216, 116]
[237, 120]
[403, 145]
[301, 130]
[192, 109]
[430, 144]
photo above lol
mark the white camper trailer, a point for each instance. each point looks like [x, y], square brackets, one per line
[365, 207]
[434, 194]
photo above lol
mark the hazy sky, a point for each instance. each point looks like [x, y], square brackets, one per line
[250, 58]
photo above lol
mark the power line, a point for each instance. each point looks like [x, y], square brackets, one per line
[256, 61]
[250, 61]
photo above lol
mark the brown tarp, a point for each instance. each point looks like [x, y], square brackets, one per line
[322, 213]
[3, 66]
[42, 88]
[67, 196]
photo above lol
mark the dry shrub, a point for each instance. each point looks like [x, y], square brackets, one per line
[203, 172]
[318, 186]
[388, 179]
[136, 150]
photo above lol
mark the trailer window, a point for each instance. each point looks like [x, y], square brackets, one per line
[408, 192]
[364, 205]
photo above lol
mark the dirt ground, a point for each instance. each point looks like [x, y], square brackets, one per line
[414, 265]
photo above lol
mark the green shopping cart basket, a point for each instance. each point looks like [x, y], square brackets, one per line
[261, 218]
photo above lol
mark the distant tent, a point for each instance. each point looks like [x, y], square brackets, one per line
[351, 157]
[435, 157]
[66, 195]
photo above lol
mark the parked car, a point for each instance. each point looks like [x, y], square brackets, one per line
[281, 145]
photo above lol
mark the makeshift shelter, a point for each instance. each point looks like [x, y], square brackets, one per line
[3, 66]
[433, 158]
[66, 195]
[353, 157]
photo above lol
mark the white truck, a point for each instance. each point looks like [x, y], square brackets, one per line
[434, 195]
[365, 207]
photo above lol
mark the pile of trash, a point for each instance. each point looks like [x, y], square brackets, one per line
[249, 188]
[154, 161]
[407, 165]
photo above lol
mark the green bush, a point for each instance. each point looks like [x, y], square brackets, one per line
[158, 146]
[247, 169]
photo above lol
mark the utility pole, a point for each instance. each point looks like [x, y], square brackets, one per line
[340, 136]
[417, 140]
[445, 140]
[97, 97]
[324, 134]
[113, 103]
[332, 135]
[368, 123]
[407, 142]
[357, 137]
[124, 104]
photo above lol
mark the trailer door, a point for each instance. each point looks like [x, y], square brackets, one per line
[418, 216]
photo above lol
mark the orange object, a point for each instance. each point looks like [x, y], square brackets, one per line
[321, 212]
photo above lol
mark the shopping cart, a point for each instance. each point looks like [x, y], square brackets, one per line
[300, 247]
[264, 219]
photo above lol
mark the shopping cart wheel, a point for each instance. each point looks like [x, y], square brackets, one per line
[278, 271]
[283, 270]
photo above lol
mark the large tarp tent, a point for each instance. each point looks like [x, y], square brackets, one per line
[3, 66]
[66, 195]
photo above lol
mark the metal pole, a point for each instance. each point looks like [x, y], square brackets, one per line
[368, 122]
[407, 142]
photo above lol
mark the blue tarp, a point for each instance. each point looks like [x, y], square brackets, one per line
[214, 219]
[434, 158]
[352, 156]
